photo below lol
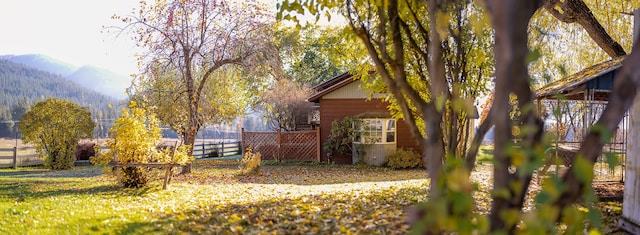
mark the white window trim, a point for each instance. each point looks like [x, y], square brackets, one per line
[388, 125]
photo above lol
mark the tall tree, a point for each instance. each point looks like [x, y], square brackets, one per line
[432, 75]
[383, 25]
[314, 53]
[220, 102]
[191, 40]
[556, 41]
[285, 105]
[576, 11]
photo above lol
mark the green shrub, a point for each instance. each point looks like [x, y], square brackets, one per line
[250, 162]
[342, 135]
[54, 127]
[404, 158]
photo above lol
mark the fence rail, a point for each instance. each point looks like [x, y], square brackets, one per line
[26, 156]
[286, 146]
[22, 156]
[221, 149]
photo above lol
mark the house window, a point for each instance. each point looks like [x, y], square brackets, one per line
[378, 131]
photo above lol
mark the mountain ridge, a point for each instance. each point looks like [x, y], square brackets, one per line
[93, 77]
[22, 86]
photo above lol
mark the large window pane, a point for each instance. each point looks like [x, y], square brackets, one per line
[378, 131]
[391, 131]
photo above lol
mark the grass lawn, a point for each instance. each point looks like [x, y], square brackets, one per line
[214, 199]
[217, 199]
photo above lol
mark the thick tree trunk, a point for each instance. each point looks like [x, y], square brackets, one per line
[190, 133]
[193, 124]
[189, 139]
[575, 11]
[510, 19]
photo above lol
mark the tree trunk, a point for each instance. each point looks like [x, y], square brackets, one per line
[575, 11]
[190, 139]
[193, 124]
[510, 19]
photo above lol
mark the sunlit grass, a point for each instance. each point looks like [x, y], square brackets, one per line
[213, 199]
[485, 153]
[217, 199]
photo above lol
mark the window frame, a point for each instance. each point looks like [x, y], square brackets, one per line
[377, 131]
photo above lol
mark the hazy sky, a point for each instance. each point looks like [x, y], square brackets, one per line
[68, 30]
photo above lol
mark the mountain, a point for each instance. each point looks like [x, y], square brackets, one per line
[42, 62]
[20, 82]
[97, 79]
[101, 80]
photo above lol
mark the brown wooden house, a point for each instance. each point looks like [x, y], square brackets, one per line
[343, 96]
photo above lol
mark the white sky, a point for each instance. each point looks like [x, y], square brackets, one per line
[67, 30]
[70, 31]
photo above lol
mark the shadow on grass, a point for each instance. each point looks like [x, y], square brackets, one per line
[377, 213]
[22, 190]
[82, 172]
[34, 188]
[319, 175]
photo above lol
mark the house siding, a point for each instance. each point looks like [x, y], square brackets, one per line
[335, 109]
[350, 91]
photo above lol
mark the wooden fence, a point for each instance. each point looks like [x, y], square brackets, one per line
[284, 146]
[22, 156]
[217, 149]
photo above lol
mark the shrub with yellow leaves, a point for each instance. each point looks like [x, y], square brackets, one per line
[134, 138]
[250, 162]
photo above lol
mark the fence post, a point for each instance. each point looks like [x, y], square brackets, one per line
[279, 147]
[318, 143]
[204, 154]
[222, 150]
[241, 146]
[15, 157]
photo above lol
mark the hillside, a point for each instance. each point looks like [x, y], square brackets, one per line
[42, 62]
[101, 80]
[94, 78]
[21, 83]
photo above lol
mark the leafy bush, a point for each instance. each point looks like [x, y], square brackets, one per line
[250, 162]
[55, 126]
[133, 139]
[404, 158]
[342, 135]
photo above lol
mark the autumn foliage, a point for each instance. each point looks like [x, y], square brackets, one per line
[133, 140]
[251, 161]
[55, 126]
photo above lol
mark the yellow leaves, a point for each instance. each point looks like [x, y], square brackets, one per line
[558, 9]
[296, 199]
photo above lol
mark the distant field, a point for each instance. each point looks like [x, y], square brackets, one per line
[25, 157]
[7, 143]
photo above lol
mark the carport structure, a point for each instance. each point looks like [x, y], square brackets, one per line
[573, 104]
